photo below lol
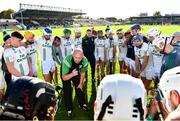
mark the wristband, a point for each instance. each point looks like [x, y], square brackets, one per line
[149, 117]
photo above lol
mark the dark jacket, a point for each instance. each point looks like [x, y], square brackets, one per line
[88, 45]
[171, 60]
[130, 50]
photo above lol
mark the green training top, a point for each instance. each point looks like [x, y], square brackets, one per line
[67, 64]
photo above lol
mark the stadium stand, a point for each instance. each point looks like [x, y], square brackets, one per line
[92, 22]
[47, 15]
[8, 23]
[156, 20]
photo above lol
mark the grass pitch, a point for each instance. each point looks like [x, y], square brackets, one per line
[90, 88]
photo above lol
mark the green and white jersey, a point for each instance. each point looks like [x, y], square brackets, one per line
[66, 46]
[19, 57]
[142, 52]
[157, 58]
[110, 48]
[44, 49]
[77, 43]
[31, 52]
[119, 43]
[150, 60]
[155, 51]
[1, 54]
[100, 45]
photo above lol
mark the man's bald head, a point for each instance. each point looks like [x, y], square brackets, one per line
[78, 51]
[78, 55]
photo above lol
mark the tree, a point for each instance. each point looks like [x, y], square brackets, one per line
[157, 13]
[119, 20]
[111, 19]
[81, 17]
[100, 19]
[6, 14]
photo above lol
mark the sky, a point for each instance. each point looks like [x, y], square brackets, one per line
[104, 8]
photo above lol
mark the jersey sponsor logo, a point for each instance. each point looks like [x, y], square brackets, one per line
[31, 51]
[120, 42]
[77, 44]
[100, 43]
[47, 45]
[154, 52]
[68, 43]
[22, 57]
[141, 54]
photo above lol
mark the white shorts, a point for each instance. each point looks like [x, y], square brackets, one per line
[99, 57]
[156, 75]
[48, 66]
[122, 56]
[130, 63]
[148, 73]
[111, 59]
[157, 69]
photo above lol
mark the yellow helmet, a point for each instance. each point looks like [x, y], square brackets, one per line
[29, 35]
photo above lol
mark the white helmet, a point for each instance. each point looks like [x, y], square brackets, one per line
[122, 96]
[169, 81]
[154, 32]
[47, 31]
[161, 41]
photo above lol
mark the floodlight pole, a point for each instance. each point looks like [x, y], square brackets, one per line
[21, 13]
[22, 18]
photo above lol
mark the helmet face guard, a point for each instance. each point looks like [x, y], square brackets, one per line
[30, 97]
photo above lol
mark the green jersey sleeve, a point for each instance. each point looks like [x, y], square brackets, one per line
[85, 64]
[66, 64]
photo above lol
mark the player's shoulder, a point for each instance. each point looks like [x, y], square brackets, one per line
[40, 38]
[96, 39]
[68, 58]
[1, 49]
[8, 51]
[73, 38]
[116, 39]
[85, 60]
[63, 39]
[145, 45]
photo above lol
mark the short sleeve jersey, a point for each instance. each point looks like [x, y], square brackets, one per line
[66, 46]
[142, 52]
[31, 52]
[45, 49]
[100, 45]
[19, 57]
